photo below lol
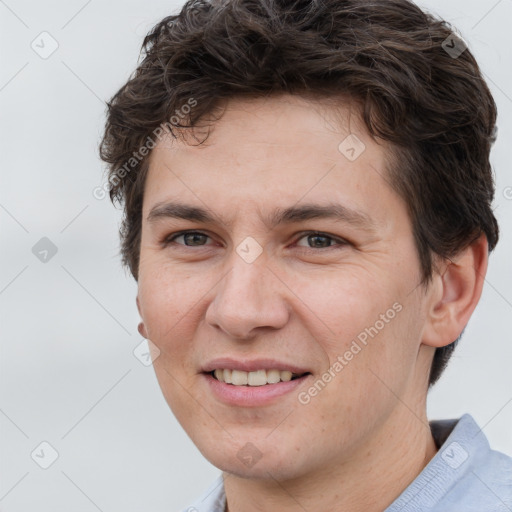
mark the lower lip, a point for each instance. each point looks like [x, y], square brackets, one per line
[252, 396]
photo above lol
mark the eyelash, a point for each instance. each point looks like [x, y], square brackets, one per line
[340, 241]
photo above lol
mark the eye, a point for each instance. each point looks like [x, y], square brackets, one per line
[321, 240]
[314, 240]
[190, 238]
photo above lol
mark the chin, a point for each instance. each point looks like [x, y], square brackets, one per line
[245, 460]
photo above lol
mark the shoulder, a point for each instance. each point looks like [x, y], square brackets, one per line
[480, 478]
[465, 474]
[488, 485]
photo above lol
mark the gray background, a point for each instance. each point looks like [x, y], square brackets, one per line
[68, 374]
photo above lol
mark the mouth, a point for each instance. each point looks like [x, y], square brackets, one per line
[263, 377]
[253, 383]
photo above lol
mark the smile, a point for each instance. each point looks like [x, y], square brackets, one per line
[254, 378]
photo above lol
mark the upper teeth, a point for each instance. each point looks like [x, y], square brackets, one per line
[257, 378]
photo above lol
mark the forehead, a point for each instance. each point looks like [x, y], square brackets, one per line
[275, 152]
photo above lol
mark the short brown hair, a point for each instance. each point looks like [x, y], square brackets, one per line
[386, 55]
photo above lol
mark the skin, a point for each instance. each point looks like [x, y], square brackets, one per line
[364, 437]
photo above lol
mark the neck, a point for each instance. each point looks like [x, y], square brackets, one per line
[369, 481]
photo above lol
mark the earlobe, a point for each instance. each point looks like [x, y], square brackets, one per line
[141, 327]
[142, 330]
[456, 292]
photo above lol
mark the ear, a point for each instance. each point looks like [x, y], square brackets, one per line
[455, 292]
[141, 328]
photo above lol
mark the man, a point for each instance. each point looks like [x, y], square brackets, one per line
[307, 197]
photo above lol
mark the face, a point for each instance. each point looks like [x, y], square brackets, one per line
[277, 247]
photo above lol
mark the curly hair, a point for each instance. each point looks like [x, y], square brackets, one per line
[388, 56]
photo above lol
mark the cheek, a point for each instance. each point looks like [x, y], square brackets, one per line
[343, 303]
[169, 308]
[168, 302]
[377, 365]
[366, 328]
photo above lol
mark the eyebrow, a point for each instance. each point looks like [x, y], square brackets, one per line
[290, 215]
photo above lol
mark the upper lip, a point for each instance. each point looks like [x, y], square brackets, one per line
[228, 363]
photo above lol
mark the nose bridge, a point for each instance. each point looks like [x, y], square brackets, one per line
[248, 297]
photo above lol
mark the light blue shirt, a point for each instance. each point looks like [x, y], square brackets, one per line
[465, 475]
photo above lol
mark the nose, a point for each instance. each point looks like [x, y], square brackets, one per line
[249, 299]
